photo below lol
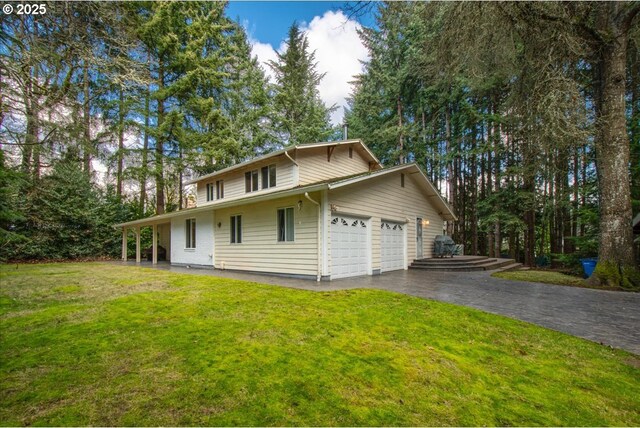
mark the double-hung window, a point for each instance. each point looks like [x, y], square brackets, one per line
[236, 229]
[219, 189]
[285, 225]
[251, 181]
[210, 194]
[190, 232]
[268, 176]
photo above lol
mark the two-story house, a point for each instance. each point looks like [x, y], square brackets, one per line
[323, 211]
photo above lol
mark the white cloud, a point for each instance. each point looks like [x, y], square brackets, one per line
[265, 53]
[338, 51]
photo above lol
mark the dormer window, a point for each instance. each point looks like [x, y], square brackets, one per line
[251, 181]
[268, 176]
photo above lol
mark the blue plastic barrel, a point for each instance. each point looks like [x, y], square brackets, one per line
[589, 265]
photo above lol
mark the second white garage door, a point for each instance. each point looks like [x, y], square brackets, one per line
[349, 247]
[391, 246]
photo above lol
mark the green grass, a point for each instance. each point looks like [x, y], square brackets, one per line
[101, 344]
[544, 276]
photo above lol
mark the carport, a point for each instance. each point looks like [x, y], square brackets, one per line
[161, 236]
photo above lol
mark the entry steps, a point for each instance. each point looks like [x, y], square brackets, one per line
[465, 264]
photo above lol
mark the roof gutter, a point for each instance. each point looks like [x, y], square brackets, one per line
[163, 218]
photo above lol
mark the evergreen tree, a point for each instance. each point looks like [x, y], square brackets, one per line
[385, 83]
[59, 214]
[496, 101]
[11, 184]
[299, 114]
[248, 103]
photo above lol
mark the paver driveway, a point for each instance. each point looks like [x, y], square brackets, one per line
[608, 317]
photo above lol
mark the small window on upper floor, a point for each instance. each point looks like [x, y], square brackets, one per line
[251, 181]
[350, 152]
[268, 176]
[210, 194]
[220, 189]
[401, 180]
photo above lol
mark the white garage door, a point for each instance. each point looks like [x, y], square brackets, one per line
[349, 247]
[391, 245]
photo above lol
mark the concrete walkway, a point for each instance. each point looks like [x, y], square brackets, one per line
[608, 317]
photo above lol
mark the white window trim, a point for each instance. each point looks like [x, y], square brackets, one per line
[269, 184]
[219, 189]
[251, 187]
[285, 223]
[241, 230]
[187, 234]
[210, 192]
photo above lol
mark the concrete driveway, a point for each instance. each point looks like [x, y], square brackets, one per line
[608, 317]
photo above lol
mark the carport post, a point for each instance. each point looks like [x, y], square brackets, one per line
[155, 245]
[124, 244]
[138, 244]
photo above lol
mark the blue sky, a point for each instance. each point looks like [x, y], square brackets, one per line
[268, 21]
[331, 34]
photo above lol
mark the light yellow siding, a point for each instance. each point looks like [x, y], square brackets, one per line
[260, 250]
[383, 198]
[234, 180]
[314, 166]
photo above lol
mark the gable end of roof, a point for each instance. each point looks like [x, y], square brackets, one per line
[287, 150]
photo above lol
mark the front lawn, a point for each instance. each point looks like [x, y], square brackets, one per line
[102, 344]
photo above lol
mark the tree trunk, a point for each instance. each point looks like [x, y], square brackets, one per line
[544, 220]
[180, 186]
[583, 187]
[31, 136]
[120, 154]
[400, 137]
[145, 150]
[490, 241]
[615, 265]
[86, 112]
[451, 179]
[574, 205]
[474, 195]
[482, 250]
[497, 135]
[530, 211]
[159, 167]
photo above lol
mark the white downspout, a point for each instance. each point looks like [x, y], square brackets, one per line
[319, 276]
[294, 162]
[296, 169]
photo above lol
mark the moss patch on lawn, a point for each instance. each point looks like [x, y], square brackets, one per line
[134, 346]
[544, 276]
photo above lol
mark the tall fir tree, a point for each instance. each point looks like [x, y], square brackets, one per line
[248, 103]
[299, 114]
